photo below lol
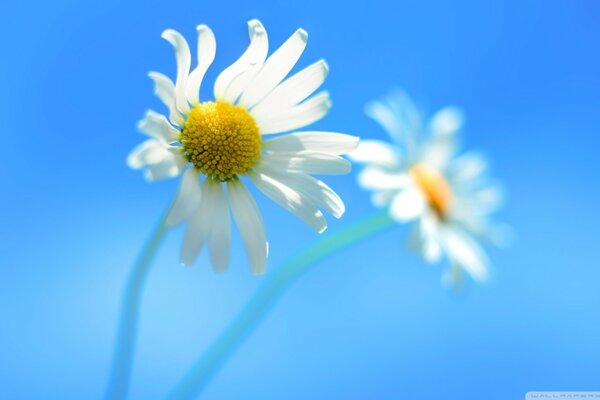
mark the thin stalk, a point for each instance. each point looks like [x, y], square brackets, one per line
[276, 283]
[124, 349]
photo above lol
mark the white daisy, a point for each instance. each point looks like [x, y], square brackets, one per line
[213, 143]
[420, 178]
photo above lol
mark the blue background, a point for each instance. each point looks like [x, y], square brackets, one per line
[372, 322]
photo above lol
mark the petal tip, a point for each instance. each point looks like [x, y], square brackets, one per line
[255, 27]
[340, 213]
[167, 34]
[354, 142]
[302, 34]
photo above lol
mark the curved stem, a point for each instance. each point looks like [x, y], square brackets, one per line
[128, 321]
[265, 298]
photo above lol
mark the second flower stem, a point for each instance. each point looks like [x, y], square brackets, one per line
[205, 367]
[120, 374]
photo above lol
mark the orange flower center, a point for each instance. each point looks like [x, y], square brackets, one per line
[434, 187]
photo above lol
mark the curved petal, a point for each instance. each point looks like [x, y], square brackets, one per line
[482, 201]
[374, 178]
[465, 252]
[292, 91]
[407, 205]
[184, 61]
[148, 152]
[316, 191]
[383, 198]
[382, 114]
[235, 78]
[376, 152]
[169, 167]
[438, 151]
[447, 121]
[321, 142]
[198, 228]
[308, 163]
[160, 160]
[166, 168]
[277, 66]
[188, 198]
[290, 200]
[164, 89]
[219, 240]
[207, 47]
[468, 167]
[399, 116]
[250, 224]
[156, 125]
[298, 116]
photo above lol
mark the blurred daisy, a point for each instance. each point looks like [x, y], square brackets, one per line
[419, 177]
[211, 144]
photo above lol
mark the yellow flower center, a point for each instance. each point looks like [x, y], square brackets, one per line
[221, 140]
[434, 187]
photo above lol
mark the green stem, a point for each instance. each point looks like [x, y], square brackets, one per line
[205, 367]
[130, 312]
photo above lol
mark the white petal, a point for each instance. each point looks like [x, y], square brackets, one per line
[468, 167]
[289, 199]
[164, 89]
[407, 205]
[169, 167]
[322, 142]
[381, 113]
[160, 160]
[374, 178]
[383, 198]
[308, 163]
[148, 152]
[277, 66]
[498, 234]
[184, 62]
[219, 241]
[438, 151]
[299, 116]
[198, 228]
[207, 47]
[489, 198]
[157, 126]
[447, 121]
[465, 252]
[235, 78]
[311, 188]
[292, 91]
[399, 116]
[376, 152]
[406, 112]
[479, 202]
[187, 199]
[431, 248]
[250, 224]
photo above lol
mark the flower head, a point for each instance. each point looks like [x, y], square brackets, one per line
[213, 144]
[420, 177]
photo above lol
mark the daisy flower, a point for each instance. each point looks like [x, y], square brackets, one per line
[421, 178]
[213, 144]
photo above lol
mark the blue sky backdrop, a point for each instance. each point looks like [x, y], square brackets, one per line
[373, 322]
